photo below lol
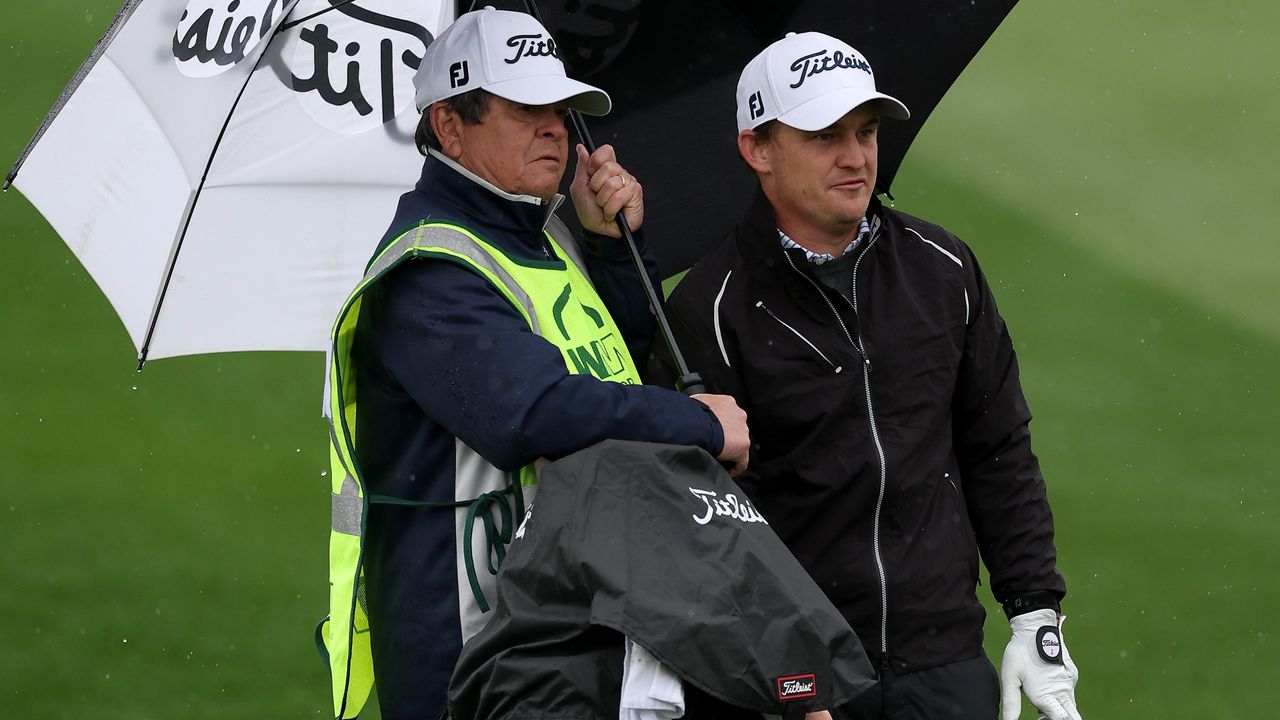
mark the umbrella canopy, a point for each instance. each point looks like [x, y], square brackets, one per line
[224, 168]
[672, 68]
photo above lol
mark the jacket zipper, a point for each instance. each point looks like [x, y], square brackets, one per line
[760, 304]
[875, 437]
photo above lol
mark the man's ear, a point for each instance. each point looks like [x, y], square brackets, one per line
[447, 125]
[754, 150]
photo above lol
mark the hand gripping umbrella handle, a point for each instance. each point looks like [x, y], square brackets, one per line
[689, 382]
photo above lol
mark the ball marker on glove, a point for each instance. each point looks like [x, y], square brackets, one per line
[1049, 643]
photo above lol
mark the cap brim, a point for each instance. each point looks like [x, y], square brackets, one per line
[824, 110]
[551, 89]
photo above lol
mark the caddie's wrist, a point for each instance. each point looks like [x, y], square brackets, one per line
[595, 244]
[717, 440]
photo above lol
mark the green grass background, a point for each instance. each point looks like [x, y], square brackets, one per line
[163, 535]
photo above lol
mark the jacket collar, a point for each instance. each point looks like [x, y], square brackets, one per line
[771, 265]
[452, 183]
[758, 232]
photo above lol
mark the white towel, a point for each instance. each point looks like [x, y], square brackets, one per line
[650, 691]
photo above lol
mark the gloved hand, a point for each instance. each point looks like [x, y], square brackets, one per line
[1036, 660]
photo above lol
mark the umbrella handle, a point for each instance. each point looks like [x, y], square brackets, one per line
[689, 382]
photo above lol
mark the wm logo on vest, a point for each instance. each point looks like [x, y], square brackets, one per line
[598, 357]
[601, 355]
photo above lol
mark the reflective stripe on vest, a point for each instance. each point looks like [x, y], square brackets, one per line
[558, 302]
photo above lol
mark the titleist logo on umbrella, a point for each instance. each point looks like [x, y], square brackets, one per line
[207, 33]
[351, 69]
[806, 66]
[728, 506]
[531, 46]
[793, 687]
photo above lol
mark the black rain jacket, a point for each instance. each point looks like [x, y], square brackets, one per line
[890, 440]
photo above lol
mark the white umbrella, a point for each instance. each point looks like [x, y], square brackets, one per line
[224, 168]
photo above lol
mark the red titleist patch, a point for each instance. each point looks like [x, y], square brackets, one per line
[794, 687]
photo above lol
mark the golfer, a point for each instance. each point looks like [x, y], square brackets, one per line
[890, 435]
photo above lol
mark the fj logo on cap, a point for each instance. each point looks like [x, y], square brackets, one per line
[757, 105]
[818, 62]
[531, 46]
[458, 74]
[1049, 644]
[794, 687]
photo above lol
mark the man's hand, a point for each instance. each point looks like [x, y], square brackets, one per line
[820, 715]
[601, 189]
[1036, 660]
[733, 421]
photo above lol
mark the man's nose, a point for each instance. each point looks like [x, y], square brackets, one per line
[852, 154]
[551, 124]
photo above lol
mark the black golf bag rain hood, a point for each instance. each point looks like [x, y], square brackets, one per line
[655, 543]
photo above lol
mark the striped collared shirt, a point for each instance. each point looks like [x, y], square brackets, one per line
[864, 230]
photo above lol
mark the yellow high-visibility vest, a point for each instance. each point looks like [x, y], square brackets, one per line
[559, 303]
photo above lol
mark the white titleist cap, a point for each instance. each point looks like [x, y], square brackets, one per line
[506, 53]
[808, 81]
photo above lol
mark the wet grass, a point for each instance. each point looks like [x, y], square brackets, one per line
[1107, 162]
[164, 533]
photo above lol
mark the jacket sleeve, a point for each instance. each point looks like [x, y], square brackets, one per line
[470, 361]
[613, 273]
[1004, 489]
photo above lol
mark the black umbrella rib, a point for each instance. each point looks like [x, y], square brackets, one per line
[333, 5]
[126, 11]
[195, 197]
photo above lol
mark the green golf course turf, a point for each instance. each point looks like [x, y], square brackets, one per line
[1112, 165]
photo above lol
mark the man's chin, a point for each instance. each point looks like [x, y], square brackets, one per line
[852, 213]
[543, 185]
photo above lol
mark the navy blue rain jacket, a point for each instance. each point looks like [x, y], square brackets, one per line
[441, 356]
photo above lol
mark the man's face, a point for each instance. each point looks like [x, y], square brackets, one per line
[821, 181]
[522, 149]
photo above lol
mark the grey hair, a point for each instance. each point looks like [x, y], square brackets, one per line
[471, 106]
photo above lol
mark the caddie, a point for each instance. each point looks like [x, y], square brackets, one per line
[482, 338]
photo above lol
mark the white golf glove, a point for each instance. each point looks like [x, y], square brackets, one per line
[1036, 660]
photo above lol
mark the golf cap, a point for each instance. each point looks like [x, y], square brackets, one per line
[808, 81]
[506, 53]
